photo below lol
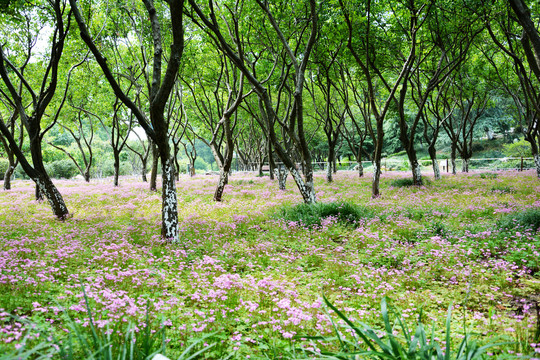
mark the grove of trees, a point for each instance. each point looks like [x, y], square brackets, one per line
[93, 87]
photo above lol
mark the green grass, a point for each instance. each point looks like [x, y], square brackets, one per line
[314, 214]
[251, 276]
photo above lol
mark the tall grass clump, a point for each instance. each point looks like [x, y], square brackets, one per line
[407, 182]
[122, 341]
[414, 343]
[313, 214]
[529, 218]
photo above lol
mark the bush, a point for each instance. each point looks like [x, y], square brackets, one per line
[4, 164]
[488, 175]
[313, 214]
[62, 169]
[518, 149]
[406, 182]
[529, 218]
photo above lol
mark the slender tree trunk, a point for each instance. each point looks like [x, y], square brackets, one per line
[144, 165]
[453, 159]
[87, 176]
[271, 162]
[38, 193]
[44, 183]
[537, 163]
[281, 174]
[169, 209]
[153, 174]
[7, 177]
[433, 155]
[329, 172]
[465, 165]
[116, 167]
[375, 185]
[223, 180]
[360, 169]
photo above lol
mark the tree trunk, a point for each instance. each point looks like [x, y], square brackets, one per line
[417, 173]
[415, 166]
[375, 185]
[116, 167]
[153, 174]
[223, 179]
[453, 159]
[47, 189]
[7, 177]
[537, 163]
[433, 155]
[87, 176]
[360, 169]
[281, 175]
[38, 193]
[329, 172]
[169, 208]
[143, 165]
[465, 165]
[271, 162]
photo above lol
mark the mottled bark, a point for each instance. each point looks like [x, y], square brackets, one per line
[169, 212]
[144, 166]
[47, 188]
[465, 165]
[329, 171]
[435, 164]
[360, 169]
[223, 180]
[281, 175]
[7, 177]
[417, 174]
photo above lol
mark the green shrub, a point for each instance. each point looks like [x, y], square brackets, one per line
[62, 169]
[502, 189]
[488, 175]
[406, 182]
[518, 149]
[4, 164]
[529, 218]
[313, 214]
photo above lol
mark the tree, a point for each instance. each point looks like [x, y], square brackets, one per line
[15, 78]
[362, 38]
[216, 94]
[526, 67]
[301, 37]
[159, 90]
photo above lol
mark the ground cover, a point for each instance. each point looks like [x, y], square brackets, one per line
[256, 281]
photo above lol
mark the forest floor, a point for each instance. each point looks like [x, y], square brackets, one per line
[258, 281]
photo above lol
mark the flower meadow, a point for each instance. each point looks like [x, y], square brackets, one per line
[255, 282]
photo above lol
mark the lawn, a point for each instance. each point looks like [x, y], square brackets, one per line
[255, 282]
